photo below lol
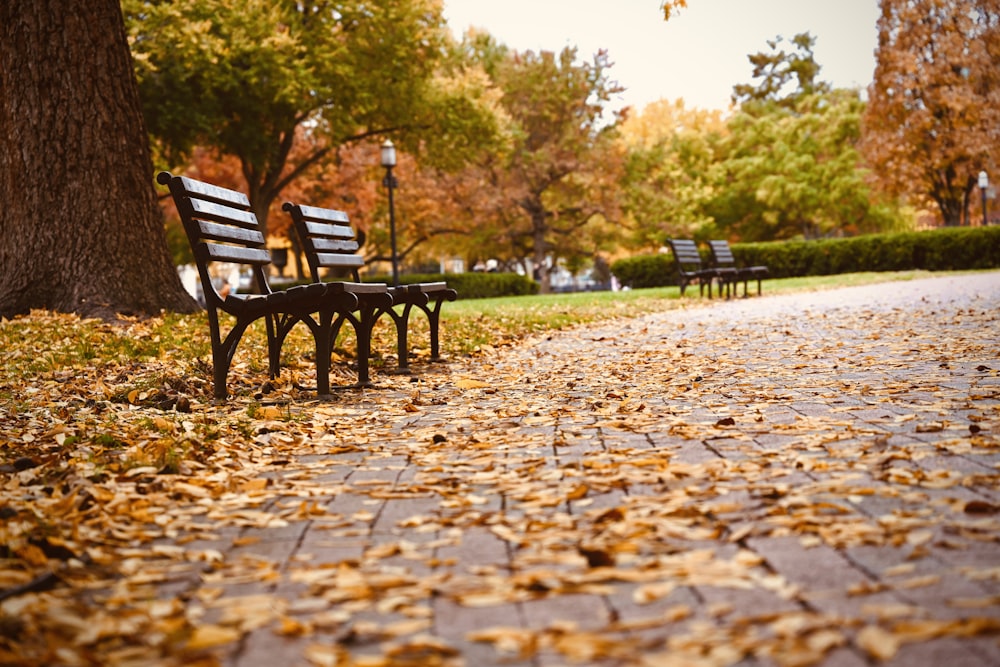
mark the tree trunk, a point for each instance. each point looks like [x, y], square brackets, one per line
[541, 251]
[80, 229]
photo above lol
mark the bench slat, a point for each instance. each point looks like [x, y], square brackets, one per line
[215, 252]
[330, 245]
[314, 213]
[431, 287]
[335, 260]
[205, 210]
[327, 230]
[214, 231]
[214, 193]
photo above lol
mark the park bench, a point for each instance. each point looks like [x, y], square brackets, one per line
[690, 268]
[329, 244]
[723, 260]
[221, 228]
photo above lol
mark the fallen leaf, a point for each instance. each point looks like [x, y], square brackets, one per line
[878, 643]
[210, 636]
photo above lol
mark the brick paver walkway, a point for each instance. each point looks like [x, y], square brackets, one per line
[804, 479]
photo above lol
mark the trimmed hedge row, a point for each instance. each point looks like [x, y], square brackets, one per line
[473, 285]
[948, 249]
[645, 271]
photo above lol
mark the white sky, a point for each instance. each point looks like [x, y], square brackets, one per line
[699, 55]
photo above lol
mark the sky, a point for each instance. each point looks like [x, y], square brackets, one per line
[699, 55]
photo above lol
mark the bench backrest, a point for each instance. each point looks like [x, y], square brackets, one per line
[722, 254]
[686, 254]
[220, 228]
[327, 240]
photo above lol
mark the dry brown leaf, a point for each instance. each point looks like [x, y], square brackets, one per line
[878, 643]
[211, 636]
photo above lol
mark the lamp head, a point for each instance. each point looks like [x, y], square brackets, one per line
[984, 180]
[388, 154]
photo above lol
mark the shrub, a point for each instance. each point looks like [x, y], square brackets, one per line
[645, 271]
[949, 249]
[471, 285]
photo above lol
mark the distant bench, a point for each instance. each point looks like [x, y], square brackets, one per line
[689, 267]
[221, 228]
[328, 242]
[723, 260]
[722, 268]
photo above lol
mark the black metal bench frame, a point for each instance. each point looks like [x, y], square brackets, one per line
[690, 267]
[221, 228]
[329, 243]
[723, 260]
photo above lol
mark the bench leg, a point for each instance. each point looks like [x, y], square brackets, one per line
[401, 320]
[362, 324]
[223, 351]
[324, 348]
[402, 343]
[278, 327]
[434, 321]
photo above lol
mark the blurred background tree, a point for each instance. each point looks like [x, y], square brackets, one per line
[933, 117]
[282, 85]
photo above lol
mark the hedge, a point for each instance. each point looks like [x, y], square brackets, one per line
[948, 249]
[473, 285]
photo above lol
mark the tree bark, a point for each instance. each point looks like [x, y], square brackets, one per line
[80, 228]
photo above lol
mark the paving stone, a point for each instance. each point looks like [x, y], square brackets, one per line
[948, 651]
[477, 547]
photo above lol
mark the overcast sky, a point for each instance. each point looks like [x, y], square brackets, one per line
[699, 55]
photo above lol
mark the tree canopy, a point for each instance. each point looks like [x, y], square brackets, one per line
[783, 78]
[933, 118]
[554, 185]
[281, 85]
[785, 164]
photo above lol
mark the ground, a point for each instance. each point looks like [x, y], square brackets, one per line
[787, 480]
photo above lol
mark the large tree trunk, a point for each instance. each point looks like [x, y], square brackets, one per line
[80, 229]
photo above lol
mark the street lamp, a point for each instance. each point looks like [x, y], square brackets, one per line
[984, 184]
[389, 161]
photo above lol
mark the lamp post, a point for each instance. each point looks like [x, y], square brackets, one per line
[390, 182]
[984, 184]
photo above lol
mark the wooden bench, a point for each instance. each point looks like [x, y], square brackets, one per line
[723, 260]
[329, 243]
[221, 228]
[690, 268]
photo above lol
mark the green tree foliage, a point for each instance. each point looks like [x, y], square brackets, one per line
[933, 119]
[785, 165]
[264, 80]
[551, 194]
[791, 164]
[777, 70]
[666, 184]
[790, 172]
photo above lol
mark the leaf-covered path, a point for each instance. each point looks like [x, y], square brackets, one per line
[789, 480]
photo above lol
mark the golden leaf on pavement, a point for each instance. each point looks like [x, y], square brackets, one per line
[878, 643]
[210, 636]
[468, 383]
